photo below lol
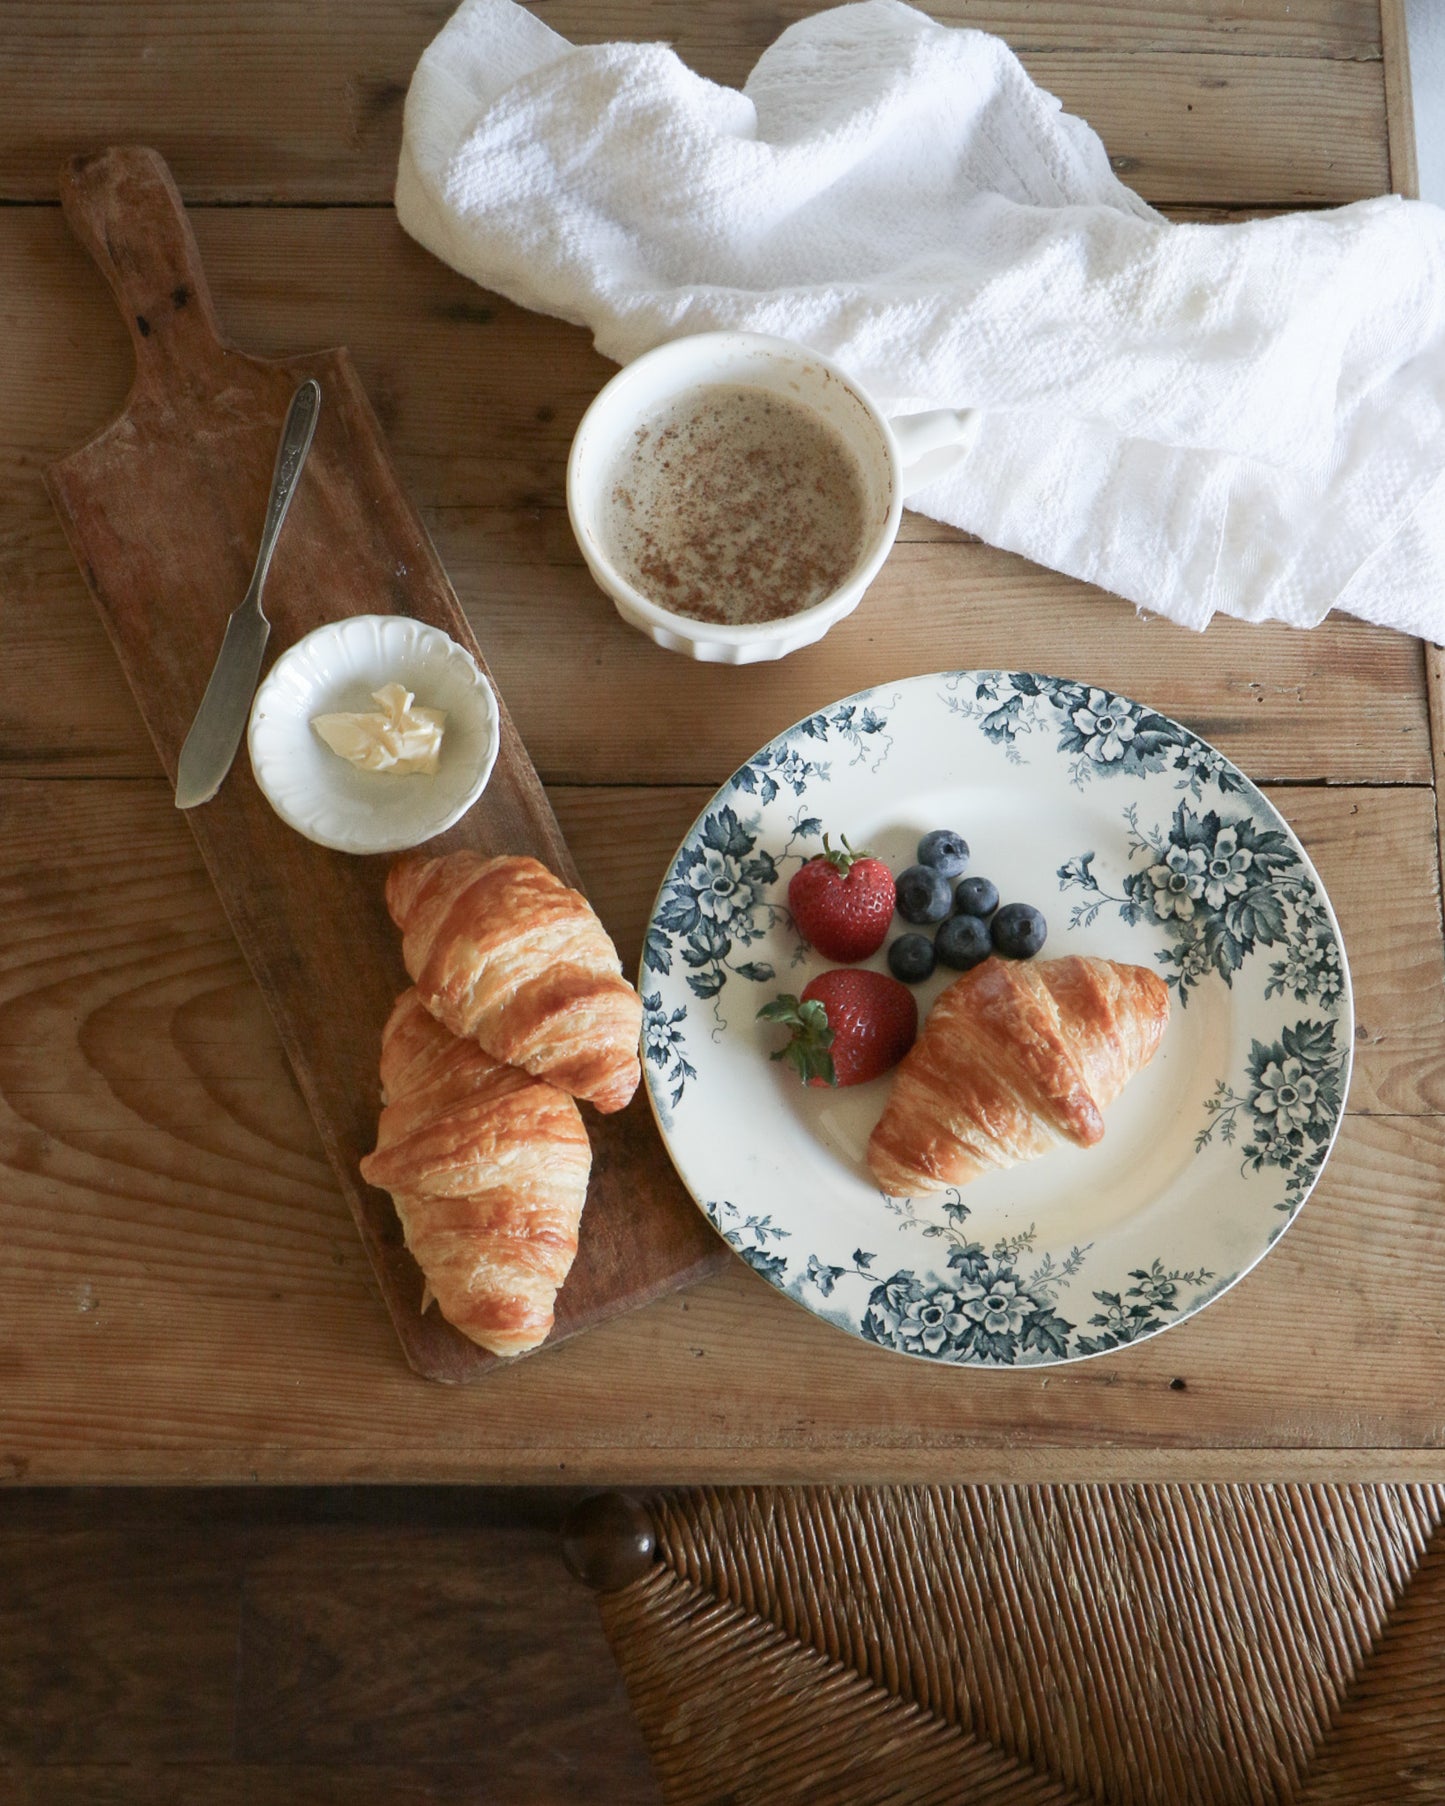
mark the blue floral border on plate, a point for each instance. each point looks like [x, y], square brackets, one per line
[1223, 877]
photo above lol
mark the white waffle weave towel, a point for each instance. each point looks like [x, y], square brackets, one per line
[1247, 418]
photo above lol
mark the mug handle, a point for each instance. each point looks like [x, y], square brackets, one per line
[919, 436]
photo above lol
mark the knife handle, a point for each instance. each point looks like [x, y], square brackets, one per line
[125, 209]
[296, 436]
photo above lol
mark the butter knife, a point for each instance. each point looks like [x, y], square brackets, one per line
[220, 721]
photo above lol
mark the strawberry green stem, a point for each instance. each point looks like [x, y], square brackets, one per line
[807, 1049]
[844, 858]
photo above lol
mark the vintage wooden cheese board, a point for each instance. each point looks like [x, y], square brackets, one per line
[164, 510]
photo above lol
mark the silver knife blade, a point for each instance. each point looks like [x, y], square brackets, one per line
[220, 721]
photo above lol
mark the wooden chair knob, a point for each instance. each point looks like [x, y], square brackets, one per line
[608, 1541]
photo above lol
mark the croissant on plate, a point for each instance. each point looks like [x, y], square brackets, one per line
[488, 1170]
[502, 950]
[1015, 1057]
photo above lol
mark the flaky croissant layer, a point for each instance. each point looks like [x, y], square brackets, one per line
[503, 951]
[488, 1170]
[1015, 1057]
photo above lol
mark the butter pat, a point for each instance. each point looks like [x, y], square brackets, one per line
[400, 738]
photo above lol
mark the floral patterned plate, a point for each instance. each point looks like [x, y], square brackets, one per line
[1139, 842]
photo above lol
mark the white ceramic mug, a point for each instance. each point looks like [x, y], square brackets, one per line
[896, 457]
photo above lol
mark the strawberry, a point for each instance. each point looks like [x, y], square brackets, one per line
[848, 1027]
[842, 902]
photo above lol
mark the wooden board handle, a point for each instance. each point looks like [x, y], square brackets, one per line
[125, 209]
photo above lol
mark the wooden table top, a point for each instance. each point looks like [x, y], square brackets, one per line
[182, 1292]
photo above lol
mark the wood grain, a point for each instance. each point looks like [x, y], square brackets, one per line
[116, 1646]
[360, 1645]
[261, 1784]
[162, 510]
[1273, 28]
[186, 1294]
[262, 1646]
[1264, 696]
[1399, 100]
[269, 103]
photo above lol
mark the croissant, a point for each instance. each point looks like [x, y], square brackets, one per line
[1015, 1057]
[488, 1170]
[503, 951]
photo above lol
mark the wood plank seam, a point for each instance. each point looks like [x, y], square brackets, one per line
[1293, 114]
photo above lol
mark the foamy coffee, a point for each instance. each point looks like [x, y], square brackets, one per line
[733, 504]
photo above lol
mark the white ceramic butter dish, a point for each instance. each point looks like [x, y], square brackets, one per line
[338, 668]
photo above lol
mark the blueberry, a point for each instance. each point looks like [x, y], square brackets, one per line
[975, 897]
[910, 958]
[924, 894]
[1019, 931]
[962, 942]
[945, 851]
